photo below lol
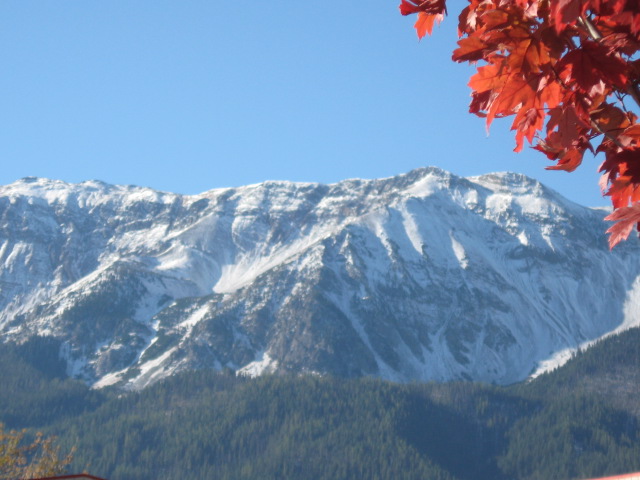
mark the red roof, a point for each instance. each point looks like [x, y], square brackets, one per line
[626, 476]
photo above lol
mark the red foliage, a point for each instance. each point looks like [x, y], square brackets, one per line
[567, 71]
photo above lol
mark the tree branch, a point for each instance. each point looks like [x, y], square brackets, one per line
[594, 33]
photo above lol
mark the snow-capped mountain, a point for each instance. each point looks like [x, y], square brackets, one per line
[416, 277]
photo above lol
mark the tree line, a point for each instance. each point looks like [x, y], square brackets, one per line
[212, 424]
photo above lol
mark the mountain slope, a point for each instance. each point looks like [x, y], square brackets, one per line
[416, 277]
[579, 421]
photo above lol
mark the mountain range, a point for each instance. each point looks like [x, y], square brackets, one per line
[422, 276]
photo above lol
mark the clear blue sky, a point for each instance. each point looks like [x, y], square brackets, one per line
[190, 95]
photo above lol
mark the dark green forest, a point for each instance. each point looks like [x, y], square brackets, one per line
[576, 422]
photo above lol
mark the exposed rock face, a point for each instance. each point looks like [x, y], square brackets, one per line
[417, 277]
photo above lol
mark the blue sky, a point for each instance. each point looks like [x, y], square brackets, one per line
[190, 95]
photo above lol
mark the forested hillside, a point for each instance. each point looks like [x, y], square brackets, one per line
[576, 422]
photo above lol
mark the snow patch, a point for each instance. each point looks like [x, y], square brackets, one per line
[175, 258]
[153, 370]
[631, 308]
[631, 319]
[195, 317]
[554, 361]
[265, 364]
[425, 187]
[187, 263]
[109, 379]
[535, 206]
[250, 266]
[412, 230]
[459, 252]
[524, 239]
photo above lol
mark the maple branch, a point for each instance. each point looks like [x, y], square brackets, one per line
[593, 31]
[597, 128]
[590, 27]
[634, 91]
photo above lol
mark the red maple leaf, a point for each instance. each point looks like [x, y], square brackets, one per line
[527, 125]
[591, 68]
[569, 160]
[426, 21]
[626, 218]
[565, 12]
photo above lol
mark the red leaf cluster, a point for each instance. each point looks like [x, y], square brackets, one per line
[568, 73]
[429, 12]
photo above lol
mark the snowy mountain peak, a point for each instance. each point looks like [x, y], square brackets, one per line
[508, 181]
[416, 277]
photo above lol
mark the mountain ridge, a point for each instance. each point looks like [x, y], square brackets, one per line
[421, 276]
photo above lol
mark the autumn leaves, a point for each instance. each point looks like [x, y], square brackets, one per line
[568, 72]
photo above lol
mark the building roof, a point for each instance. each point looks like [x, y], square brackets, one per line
[626, 476]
